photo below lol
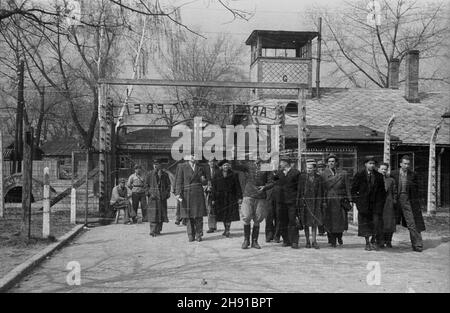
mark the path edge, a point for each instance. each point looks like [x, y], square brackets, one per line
[16, 274]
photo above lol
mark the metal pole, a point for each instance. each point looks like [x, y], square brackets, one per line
[2, 198]
[87, 189]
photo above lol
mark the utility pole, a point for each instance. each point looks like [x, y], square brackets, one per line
[18, 140]
[319, 53]
[387, 141]
[27, 174]
[2, 198]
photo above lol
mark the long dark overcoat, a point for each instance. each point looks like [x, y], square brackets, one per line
[389, 212]
[159, 192]
[412, 187]
[337, 187]
[311, 200]
[226, 192]
[369, 200]
[189, 186]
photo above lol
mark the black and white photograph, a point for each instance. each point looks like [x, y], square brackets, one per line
[224, 153]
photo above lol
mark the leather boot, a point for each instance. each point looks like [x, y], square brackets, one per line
[246, 242]
[255, 234]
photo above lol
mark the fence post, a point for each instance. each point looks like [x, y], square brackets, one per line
[73, 206]
[46, 205]
[2, 197]
[73, 195]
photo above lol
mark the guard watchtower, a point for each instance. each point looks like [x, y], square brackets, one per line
[281, 56]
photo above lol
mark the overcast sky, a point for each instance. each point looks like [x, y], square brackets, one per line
[211, 17]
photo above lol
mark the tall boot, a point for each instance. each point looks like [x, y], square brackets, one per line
[246, 242]
[255, 234]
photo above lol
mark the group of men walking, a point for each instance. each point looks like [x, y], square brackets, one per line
[316, 201]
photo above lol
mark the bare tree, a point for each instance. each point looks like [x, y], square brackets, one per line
[361, 52]
[215, 59]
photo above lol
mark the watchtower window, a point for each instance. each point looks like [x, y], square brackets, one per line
[283, 53]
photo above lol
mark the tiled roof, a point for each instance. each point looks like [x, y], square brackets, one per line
[60, 147]
[330, 133]
[414, 122]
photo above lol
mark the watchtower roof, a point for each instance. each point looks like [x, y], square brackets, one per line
[280, 39]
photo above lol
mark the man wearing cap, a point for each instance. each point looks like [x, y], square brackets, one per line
[254, 204]
[136, 182]
[287, 179]
[189, 191]
[369, 194]
[211, 171]
[337, 192]
[320, 168]
[311, 201]
[159, 191]
[120, 199]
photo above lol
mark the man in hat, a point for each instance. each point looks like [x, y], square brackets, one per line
[211, 171]
[408, 202]
[320, 168]
[369, 194]
[337, 192]
[189, 191]
[254, 204]
[287, 179]
[311, 201]
[159, 191]
[136, 182]
[120, 199]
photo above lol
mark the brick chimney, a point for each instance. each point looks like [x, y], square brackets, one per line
[412, 76]
[394, 66]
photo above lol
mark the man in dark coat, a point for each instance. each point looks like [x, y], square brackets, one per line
[158, 182]
[320, 168]
[211, 171]
[226, 196]
[337, 190]
[389, 210]
[408, 202]
[369, 194]
[311, 202]
[273, 219]
[189, 191]
[287, 179]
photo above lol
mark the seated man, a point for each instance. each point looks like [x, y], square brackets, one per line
[120, 199]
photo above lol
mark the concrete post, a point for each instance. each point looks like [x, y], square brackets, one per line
[46, 205]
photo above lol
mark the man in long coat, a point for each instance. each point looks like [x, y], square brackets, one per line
[189, 191]
[158, 182]
[211, 171]
[389, 210]
[369, 194]
[311, 202]
[408, 202]
[337, 188]
[226, 196]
